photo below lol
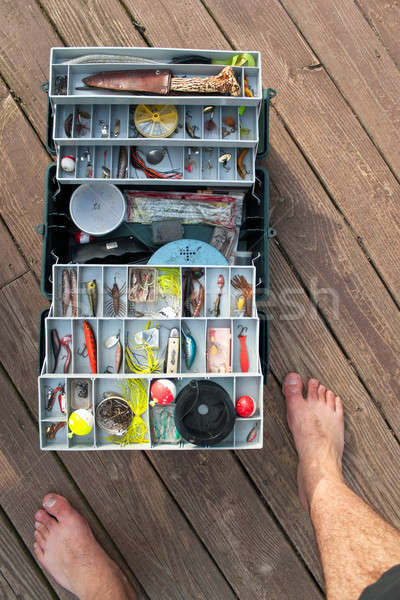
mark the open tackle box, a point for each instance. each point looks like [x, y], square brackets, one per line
[99, 122]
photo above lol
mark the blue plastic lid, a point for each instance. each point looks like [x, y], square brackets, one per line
[188, 252]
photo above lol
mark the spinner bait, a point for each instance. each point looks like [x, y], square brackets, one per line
[189, 346]
[91, 290]
[90, 342]
[240, 167]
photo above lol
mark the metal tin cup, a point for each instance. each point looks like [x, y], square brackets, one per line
[113, 414]
[97, 207]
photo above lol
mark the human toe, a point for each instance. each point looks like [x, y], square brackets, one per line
[292, 385]
[321, 393]
[330, 399]
[57, 506]
[45, 519]
[40, 539]
[38, 551]
[312, 389]
[339, 407]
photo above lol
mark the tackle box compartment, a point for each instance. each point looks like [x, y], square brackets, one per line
[246, 432]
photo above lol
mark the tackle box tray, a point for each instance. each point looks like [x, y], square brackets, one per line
[148, 58]
[235, 380]
[205, 137]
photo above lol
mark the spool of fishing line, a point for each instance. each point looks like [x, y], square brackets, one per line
[204, 413]
[156, 120]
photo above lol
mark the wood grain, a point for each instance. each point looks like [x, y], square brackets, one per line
[23, 161]
[27, 474]
[384, 18]
[359, 65]
[324, 127]
[5, 590]
[92, 23]
[183, 25]
[232, 522]
[22, 575]
[12, 263]
[25, 66]
[333, 267]
[128, 497]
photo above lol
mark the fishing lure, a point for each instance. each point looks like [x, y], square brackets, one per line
[74, 292]
[51, 430]
[240, 283]
[191, 129]
[240, 167]
[66, 291]
[189, 346]
[107, 58]
[52, 395]
[122, 162]
[90, 342]
[244, 355]
[217, 305]
[115, 305]
[252, 435]
[91, 290]
[117, 128]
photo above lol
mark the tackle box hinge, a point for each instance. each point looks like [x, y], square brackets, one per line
[271, 232]
[44, 86]
[270, 93]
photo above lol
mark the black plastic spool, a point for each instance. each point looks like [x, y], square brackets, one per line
[204, 413]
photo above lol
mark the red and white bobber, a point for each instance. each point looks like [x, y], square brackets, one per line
[162, 392]
[246, 406]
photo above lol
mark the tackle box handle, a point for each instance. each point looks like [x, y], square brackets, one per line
[267, 95]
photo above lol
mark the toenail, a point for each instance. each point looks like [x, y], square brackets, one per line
[37, 525]
[292, 380]
[50, 502]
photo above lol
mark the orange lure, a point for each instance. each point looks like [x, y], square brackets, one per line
[90, 342]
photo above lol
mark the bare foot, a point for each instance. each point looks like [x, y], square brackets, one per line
[68, 550]
[317, 425]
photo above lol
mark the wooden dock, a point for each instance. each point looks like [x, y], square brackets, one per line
[223, 525]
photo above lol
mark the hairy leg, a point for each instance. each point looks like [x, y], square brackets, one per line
[68, 550]
[356, 545]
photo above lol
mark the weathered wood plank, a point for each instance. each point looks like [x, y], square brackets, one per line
[12, 263]
[25, 66]
[19, 570]
[187, 25]
[228, 515]
[23, 161]
[359, 65]
[324, 127]
[333, 267]
[145, 523]
[384, 18]
[92, 23]
[27, 474]
[5, 590]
